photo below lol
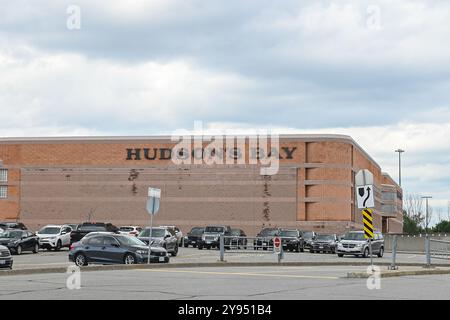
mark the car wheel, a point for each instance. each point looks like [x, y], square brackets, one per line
[186, 245]
[36, 248]
[58, 246]
[129, 259]
[194, 246]
[380, 254]
[208, 247]
[19, 250]
[175, 251]
[340, 255]
[200, 247]
[311, 251]
[80, 260]
[366, 253]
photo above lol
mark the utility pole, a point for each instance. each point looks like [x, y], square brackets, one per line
[426, 214]
[400, 151]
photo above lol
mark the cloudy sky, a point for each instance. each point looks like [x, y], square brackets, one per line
[377, 70]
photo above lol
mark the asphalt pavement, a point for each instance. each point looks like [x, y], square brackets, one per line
[232, 283]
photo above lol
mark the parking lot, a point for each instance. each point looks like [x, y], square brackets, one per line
[193, 255]
[232, 283]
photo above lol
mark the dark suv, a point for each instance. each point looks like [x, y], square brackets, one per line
[324, 243]
[193, 237]
[211, 237]
[292, 240]
[264, 239]
[88, 227]
[354, 243]
[12, 225]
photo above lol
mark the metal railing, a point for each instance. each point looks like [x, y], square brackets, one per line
[246, 245]
[440, 249]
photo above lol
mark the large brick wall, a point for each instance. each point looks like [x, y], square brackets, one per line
[68, 180]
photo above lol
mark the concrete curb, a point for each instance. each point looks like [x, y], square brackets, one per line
[31, 271]
[396, 273]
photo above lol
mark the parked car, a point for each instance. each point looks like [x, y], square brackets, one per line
[112, 248]
[12, 225]
[6, 260]
[18, 241]
[72, 226]
[309, 237]
[177, 232]
[292, 240]
[88, 227]
[54, 237]
[211, 237]
[130, 230]
[238, 239]
[193, 237]
[324, 243]
[160, 237]
[264, 239]
[354, 243]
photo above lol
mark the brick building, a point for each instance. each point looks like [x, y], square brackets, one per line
[71, 180]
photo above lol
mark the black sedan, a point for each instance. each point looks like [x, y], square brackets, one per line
[6, 261]
[104, 248]
[18, 241]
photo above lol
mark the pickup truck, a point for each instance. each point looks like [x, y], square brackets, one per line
[88, 227]
[211, 237]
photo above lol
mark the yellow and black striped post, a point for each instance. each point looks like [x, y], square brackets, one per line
[368, 223]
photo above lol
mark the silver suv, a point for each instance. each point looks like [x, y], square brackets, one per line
[354, 243]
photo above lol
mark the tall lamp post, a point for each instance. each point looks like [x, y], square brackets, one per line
[400, 151]
[426, 214]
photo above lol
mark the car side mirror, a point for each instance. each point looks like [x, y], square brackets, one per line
[167, 236]
[63, 233]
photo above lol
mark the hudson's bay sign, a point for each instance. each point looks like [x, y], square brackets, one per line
[203, 153]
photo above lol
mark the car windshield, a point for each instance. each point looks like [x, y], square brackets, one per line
[354, 236]
[91, 228]
[269, 232]
[308, 235]
[156, 233]
[130, 241]
[197, 231]
[49, 230]
[11, 234]
[214, 229]
[289, 233]
[325, 237]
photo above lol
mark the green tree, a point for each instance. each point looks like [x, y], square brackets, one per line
[443, 226]
[410, 226]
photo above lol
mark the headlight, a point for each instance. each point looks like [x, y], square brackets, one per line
[142, 252]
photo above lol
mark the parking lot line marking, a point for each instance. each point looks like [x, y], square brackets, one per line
[243, 274]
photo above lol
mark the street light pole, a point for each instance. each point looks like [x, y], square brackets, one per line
[426, 214]
[400, 151]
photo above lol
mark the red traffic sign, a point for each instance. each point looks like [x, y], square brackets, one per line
[277, 244]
